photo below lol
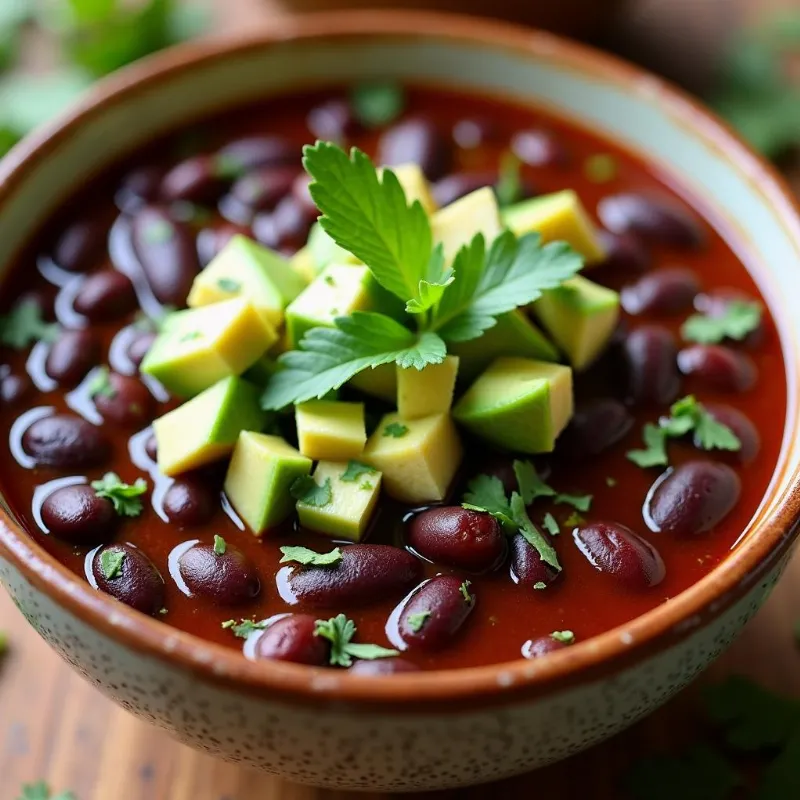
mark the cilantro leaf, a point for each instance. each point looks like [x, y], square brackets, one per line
[574, 519]
[417, 621]
[551, 524]
[111, 562]
[486, 493]
[514, 273]
[580, 502]
[41, 791]
[531, 486]
[655, 452]
[565, 637]
[339, 631]
[307, 557]
[739, 318]
[396, 430]
[355, 469]
[539, 585]
[465, 592]
[508, 187]
[377, 103]
[124, 496]
[532, 534]
[220, 545]
[329, 357]
[244, 628]
[100, 384]
[23, 326]
[306, 490]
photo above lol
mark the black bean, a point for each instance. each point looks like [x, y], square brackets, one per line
[105, 296]
[285, 227]
[667, 291]
[80, 245]
[188, 502]
[71, 356]
[624, 252]
[416, 141]
[126, 401]
[651, 358]
[242, 155]
[197, 180]
[77, 515]
[135, 581]
[718, 367]
[433, 616]
[228, 578]
[66, 441]
[539, 149]
[138, 188]
[261, 189]
[332, 121]
[14, 388]
[595, 426]
[292, 638]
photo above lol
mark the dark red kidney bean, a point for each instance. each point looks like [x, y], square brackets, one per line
[139, 187]
[14, 388]
[332, 121]
[166, 251]
[383, 666]
[539, 149]
[624, 252]
[544, 645]
[105, 296]
[71, 356]
[668, 291]
[287, 226]
[367, 573]
[254, 152]
[77, 515]
[447, 608]
[655, 220]
[620, 553]
[746, 432]
[210, 241]
[595, 426]
[261, 189]
[527, 565]
[66, 441]
[80, 245]
[302, 195]
[692, 498]
[415, 141]
[718, 367]
[455, 186]
[197, 179]
[138, 584]
[716, 304]
[292, 638]
[139, 347]
[650, 355]
[457, 537]
[188, 502]
[127, 402]
[228, 579]
[473, 132]
[151, 449]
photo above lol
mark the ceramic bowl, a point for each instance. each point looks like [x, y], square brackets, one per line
[439, 729]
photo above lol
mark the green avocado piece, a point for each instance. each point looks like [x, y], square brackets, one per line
[260, 475]
[581, 317]
[324, 251]
[205, 428]
[512, 335]
[380, 382]
[518, 404]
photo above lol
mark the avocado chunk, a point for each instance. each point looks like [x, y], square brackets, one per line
[380, 382]
[557, 217]
[418, 457]
[260, 475]
[324, 251]
[415, 186]
[330, 430]
[518, 404]
[245, 268]
[205, 428]
[352, 503]
[513, 334]
[581, 317]
[423, 392]
[200, 346]
[303, 265]
[456, 225]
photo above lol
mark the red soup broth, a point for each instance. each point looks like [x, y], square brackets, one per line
[473, 134]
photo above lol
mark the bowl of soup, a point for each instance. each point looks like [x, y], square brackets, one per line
[394, 402]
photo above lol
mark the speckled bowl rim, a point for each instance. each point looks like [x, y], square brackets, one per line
[446, 690]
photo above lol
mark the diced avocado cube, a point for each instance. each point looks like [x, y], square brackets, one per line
[205, 428]
[200, 346]
[518, 404]
[581, 317]
[349, 511]
[260, 475]
[415, 186]
[380, 382]
[456, 225]
[421, 393]
[557, 217]
[330, 430]
[418, 457]
[247, 269]
[302, 262]
[325, 251]
[513, 334]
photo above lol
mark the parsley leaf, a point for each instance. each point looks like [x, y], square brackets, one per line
[377, 103]
[565, 637]
[395, 429]
[24, 325]
[739, 318]
[307, 557]
[124, 496]
[220, 545]
[531, 486]
[244, 628]
[532, 534]
[329, 357]
[580, 502]
[514, 273]
[354, 470]
[417, 621]
[339, 631]
[306, 490]
[551, 524]
[111, 562]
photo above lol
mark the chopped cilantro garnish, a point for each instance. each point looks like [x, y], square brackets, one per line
[41, 791]
[551, 524]
[307, 557]
[354, 470]
[655, 451]
[574, 519]
[339, 631]
[611, 482]
[100, 384]
[464, 588]
[220, 545]
[376, 104]
[124, 496]
[531, 486]
[565, 637]
[24, 325]
[417, 621]
[580, 502]
[739, 318]
[539, 585]
[229, 285]
[111, 562]
[306, 490]
[395, 430]
[244, 627]
[366, 486]
[532, 534]
[509, 180]
[600, 168]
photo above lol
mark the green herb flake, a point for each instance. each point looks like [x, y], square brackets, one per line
[395, 429]
[23, 326]
[531, 486]
[229, 285]
[244, 628]
[739, 318]
[486, 493]
[124, 496]
[417, 621]
[574, 520]
[366, 486]
[539, 585]
[377, 103]
[329, 279]
[600, 168]
[508, 187]
[532, 534]
[611, 482]
[464, 589]
[220, 545]
[41, 791]
[306, 490]
[580, 502]
[654, 453]
[339, 631]
[565, 637]
[551, 524]
[111, 562]
[100, 384]
[355, 470]
[310, 558]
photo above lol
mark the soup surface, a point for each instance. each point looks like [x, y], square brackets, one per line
[627, 536]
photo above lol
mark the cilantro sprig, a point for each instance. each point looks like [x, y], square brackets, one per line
[41, 791]
[339, 631]
[244, 628]
[310, 558]
[739, 318]
[124, 496]
[23, 326]
[306, 490]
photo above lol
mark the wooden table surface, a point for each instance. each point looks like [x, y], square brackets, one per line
[57, 728]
